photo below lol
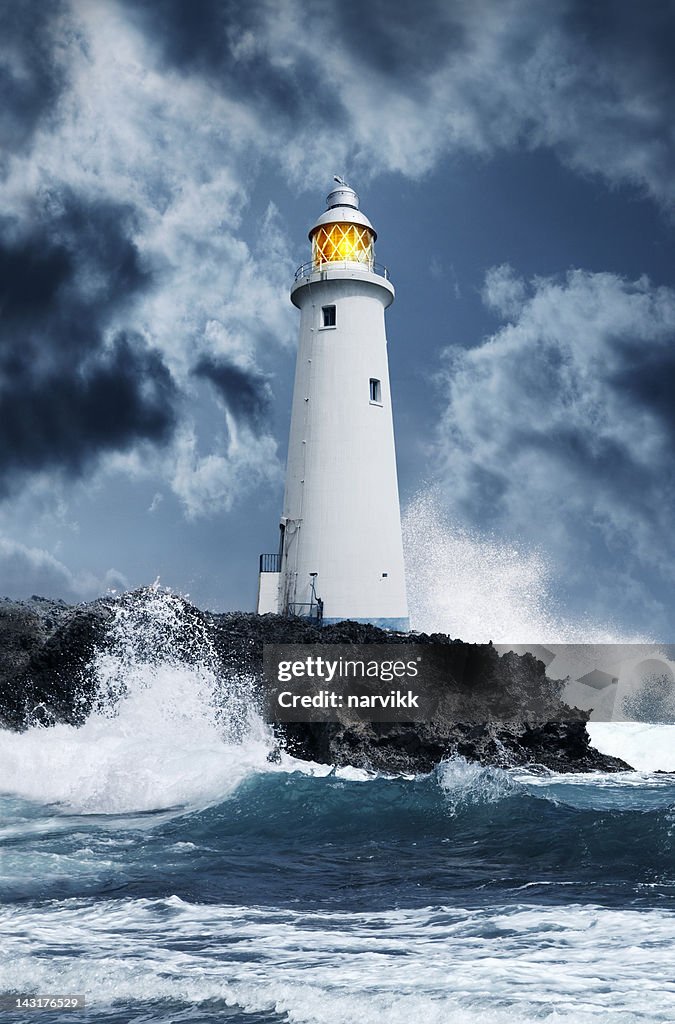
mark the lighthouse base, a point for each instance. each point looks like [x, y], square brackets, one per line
[268, 593]
[397, 625]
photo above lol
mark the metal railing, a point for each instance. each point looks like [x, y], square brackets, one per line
[307, 269]
[270, 563]
[306, 610]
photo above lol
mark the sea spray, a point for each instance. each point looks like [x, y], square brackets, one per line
[479, 588]
[155, 633]
[167, 729]
[474, 588]
[465, 783]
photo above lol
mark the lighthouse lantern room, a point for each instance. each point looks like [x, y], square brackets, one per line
[340, 552]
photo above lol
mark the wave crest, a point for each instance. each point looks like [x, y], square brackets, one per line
[167, 730]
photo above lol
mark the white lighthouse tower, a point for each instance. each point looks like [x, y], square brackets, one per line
[340, 554]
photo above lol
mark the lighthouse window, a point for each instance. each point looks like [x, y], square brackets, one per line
[328, 316]
[375, 391]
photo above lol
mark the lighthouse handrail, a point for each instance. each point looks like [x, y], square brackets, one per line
[306, 610]
[307, 269]
[270, 562]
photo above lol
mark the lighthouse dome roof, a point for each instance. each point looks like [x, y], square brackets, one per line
[342, 204]
[343, 215]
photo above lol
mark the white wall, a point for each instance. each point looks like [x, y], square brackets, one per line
[268, 592]
[341, 498]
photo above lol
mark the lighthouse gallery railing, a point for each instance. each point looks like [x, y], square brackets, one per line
[307, 269]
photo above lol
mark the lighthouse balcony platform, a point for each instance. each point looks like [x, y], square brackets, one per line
[312, 269]
[368, 273]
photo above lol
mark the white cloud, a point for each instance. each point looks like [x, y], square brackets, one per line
[560, 427]
[25, 571]
[157, 500]
[209, 483]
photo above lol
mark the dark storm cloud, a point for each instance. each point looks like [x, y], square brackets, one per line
[66, 395]
[246, 394]
[621, 30]
[67, 419]
[62, 275]
[648, 379]
[224, 40]
[30, 79]
[400, 38]
[31, 273]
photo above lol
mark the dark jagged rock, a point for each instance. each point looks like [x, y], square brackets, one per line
[46, 649]
[418, 747]
[46, 676]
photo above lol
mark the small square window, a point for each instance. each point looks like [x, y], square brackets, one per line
[328, 316]
[375, 391]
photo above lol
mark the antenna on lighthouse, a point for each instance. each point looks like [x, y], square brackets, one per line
[343, 195]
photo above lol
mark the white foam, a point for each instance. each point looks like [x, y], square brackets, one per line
[467, 782]
[522, 963]
[642, 745]
[169, 732]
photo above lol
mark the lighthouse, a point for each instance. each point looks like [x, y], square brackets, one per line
[340, 552]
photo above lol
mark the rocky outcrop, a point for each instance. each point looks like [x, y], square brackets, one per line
[46, 650]
[498, 710]
[392, 747]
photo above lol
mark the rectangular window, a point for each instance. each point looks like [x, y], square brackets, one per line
[375, 391]
[328, 316]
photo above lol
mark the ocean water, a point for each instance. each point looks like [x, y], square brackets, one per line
[157, 862]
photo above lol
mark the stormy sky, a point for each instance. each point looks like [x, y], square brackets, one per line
[160, 164]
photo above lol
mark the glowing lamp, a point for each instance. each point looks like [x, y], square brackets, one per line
[343, 234]
[342, 242]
